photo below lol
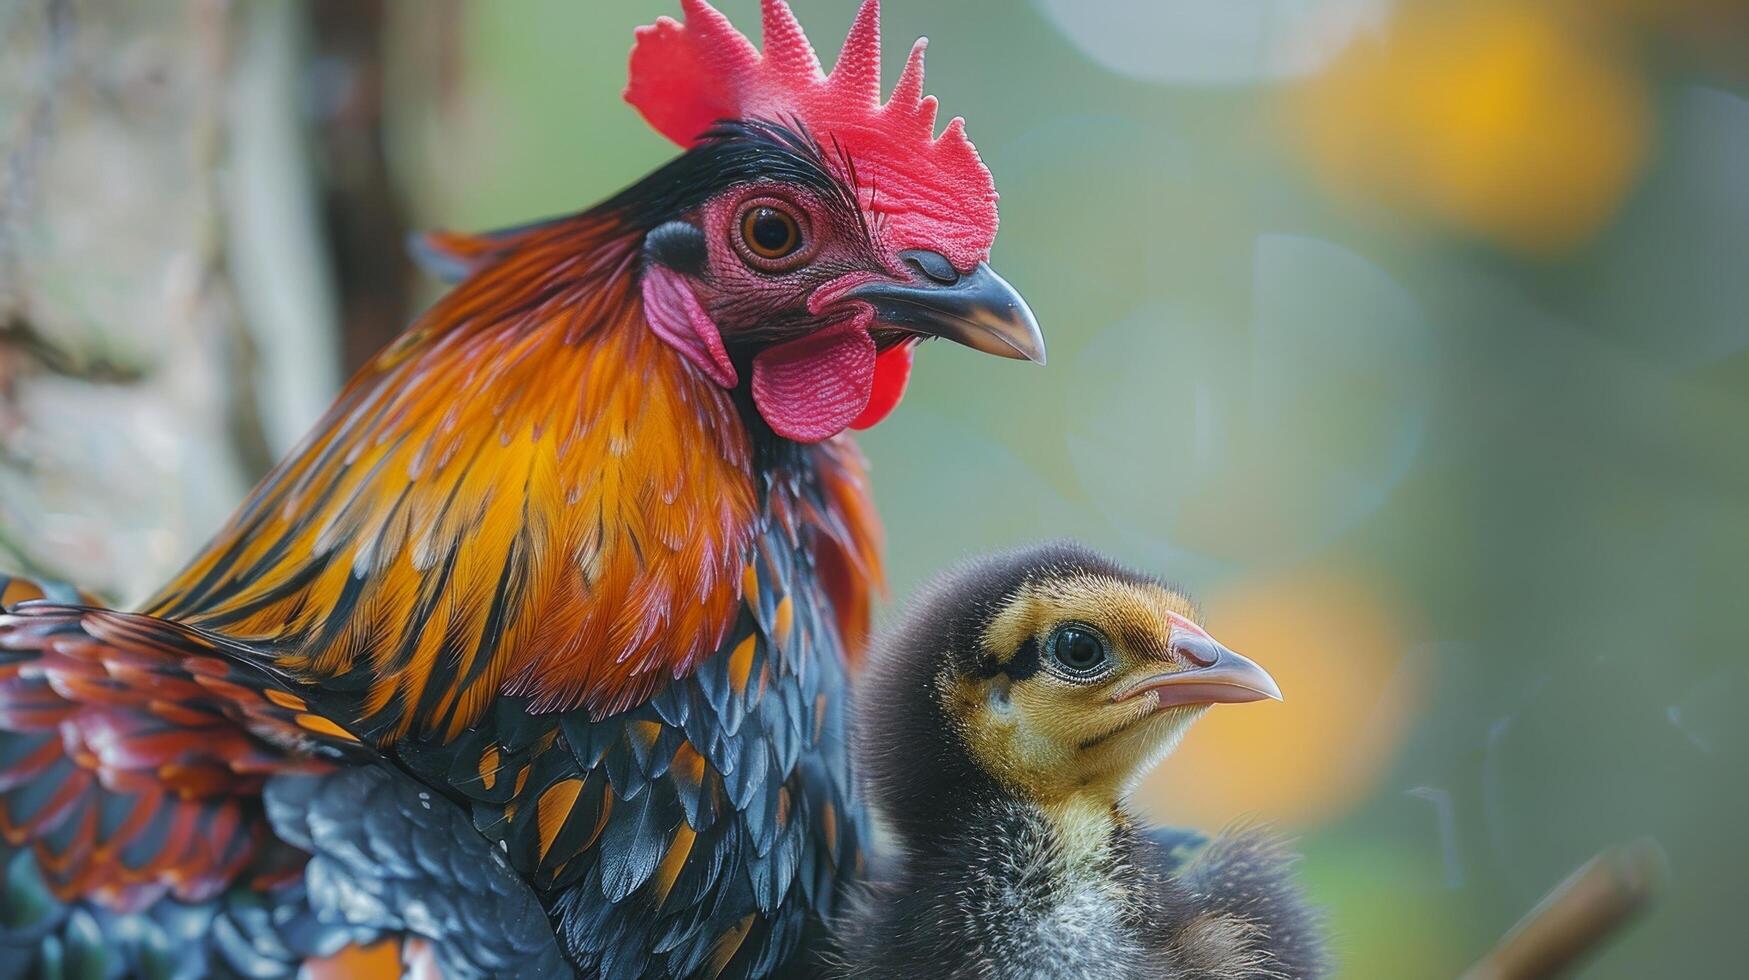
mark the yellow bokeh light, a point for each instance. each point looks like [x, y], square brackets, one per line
[1504, 119]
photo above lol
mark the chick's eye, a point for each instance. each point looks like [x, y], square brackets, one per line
[770, 233]
[1079, 650]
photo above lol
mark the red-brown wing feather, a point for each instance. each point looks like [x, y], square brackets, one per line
[133, 752]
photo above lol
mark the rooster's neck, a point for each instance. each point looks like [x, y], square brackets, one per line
[528, 493]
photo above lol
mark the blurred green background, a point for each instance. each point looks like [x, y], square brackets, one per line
[1410, 336]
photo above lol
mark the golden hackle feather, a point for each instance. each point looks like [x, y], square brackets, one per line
[529, 493]
[849, 543]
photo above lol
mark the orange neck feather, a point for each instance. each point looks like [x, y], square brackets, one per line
[528, 493]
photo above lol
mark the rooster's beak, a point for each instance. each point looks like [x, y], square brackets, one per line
[978, 309]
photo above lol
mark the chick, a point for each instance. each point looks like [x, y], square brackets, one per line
[1003, 722]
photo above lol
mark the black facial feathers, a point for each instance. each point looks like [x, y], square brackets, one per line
[1019, 667]
[679, 246]
[734, 152]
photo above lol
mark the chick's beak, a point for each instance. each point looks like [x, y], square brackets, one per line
[978, 309]
[1216, 675]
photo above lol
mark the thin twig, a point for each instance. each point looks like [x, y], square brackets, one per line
[1574, 919]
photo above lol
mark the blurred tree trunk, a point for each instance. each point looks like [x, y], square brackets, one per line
[167, 321]
[366, 218]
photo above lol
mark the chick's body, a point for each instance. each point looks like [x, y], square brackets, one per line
[1008, 898]
[1003, 722]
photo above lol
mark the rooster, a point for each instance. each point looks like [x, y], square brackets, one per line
[535, 647]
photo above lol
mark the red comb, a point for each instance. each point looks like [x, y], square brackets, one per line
[926, 191]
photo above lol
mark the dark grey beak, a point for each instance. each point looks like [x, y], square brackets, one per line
[978, 309]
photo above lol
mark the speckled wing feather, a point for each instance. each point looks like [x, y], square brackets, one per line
[390, 856]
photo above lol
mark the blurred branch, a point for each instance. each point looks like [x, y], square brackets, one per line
[366, 222]
[20, 340]
[1574, 919]
[274, 243]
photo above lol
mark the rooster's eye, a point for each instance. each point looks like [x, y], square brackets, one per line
[769, 233]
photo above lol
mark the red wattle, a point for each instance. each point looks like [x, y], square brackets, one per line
[813, 387]
[892, 373]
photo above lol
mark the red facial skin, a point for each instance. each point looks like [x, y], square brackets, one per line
[741, 289]
[818, 370]
[920, 189]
